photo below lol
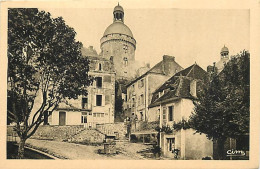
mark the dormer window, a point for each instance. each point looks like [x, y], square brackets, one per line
[161, 93]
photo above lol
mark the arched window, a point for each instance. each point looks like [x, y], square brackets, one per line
[125, 61]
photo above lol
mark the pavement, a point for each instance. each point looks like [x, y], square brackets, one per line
[127, 151]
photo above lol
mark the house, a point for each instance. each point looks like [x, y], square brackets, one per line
[98, 106]
[172, 102]
[139, 90]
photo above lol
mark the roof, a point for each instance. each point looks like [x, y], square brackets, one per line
[194, 71]
[118, 27]
[118, 8]
[155, 69]
[224, 49]
[178, 86]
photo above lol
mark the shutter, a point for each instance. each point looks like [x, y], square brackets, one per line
[107, 99]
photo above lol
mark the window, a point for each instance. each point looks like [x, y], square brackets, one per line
[84, 103]
[84, 119]
[141, 99]
[98, 100]
[125, 48]
[99, 82]
[90, 113]
[133, 99]
[141, 115]
[170, 144]
[98, 114]
[170, 111]
[99, 66]
[125, 61]
[164, 113]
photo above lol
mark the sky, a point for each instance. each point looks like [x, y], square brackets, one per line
[190, 35]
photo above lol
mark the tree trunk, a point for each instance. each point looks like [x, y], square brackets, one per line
[220, 146]
[21, 148]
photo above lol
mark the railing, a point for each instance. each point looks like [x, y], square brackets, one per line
[90, 125]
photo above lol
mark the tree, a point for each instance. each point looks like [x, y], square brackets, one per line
[45, 68]
[222, 108]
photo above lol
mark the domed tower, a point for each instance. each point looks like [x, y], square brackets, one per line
[224, 52]
[118, 44]
[224, 58]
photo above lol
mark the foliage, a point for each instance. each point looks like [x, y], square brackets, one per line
[222, 108]
[183, 124]
[166, 129]
[45, 67]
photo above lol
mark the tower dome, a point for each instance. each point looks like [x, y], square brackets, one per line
[119, 44]
[118, 8]
[118, 28]
[224, 51]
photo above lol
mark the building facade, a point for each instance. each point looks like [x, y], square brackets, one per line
[139, 90]
[98, 106]
[171, 103]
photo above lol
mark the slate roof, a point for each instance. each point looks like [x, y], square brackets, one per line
[178, 86]
[157, 69]
[194, 72]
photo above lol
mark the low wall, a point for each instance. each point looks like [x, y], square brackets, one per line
[113, 128]
[47, 132]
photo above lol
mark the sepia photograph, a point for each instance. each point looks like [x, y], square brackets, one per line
[126, 81]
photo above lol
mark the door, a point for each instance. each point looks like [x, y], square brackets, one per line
[62, 118]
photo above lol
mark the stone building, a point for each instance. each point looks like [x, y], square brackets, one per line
[171, 103]
[98, 106]
[139, 90]
[118, 45]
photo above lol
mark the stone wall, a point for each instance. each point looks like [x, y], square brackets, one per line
[59, 133]
[113, 128]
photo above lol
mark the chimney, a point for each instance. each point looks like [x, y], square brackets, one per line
[148, 65]
[168, 64]
[193, 88]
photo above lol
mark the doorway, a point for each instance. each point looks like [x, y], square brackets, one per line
[62, 118]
